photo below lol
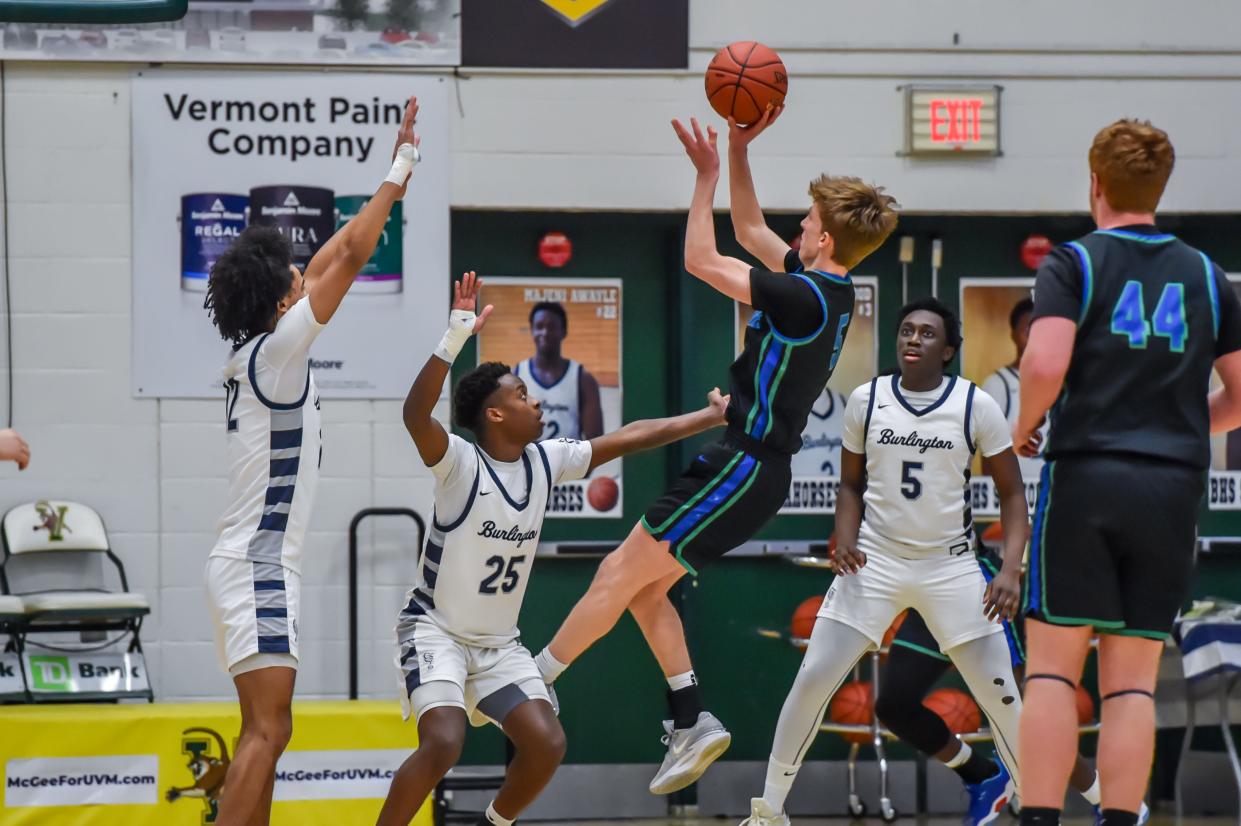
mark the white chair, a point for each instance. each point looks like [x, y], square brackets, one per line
[54, 563]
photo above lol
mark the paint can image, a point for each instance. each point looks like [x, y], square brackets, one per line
[305, 214]
[210, 222]
[382, 273]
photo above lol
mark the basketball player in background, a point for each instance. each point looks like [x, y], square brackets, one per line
[457, 640]
[1128, 322]
[803, 302]
[909, 441]
[1004, 385]
[271, 313]
[820, 440]
[568, 393]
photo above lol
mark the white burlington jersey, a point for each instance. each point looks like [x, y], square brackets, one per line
[274, 443]
[821, 439]
[562, 418]
[484, 532]
[1004, 385]
[918, 449]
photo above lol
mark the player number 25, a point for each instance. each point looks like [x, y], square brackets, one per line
[511, 576]
[1168, 321]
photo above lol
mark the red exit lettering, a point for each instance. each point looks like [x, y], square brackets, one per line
[956, 121]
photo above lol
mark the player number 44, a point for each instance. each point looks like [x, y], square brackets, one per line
[1168, 320]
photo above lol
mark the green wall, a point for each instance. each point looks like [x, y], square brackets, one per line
[678, 339]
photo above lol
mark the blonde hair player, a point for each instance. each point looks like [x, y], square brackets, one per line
[1128, 323]
[272, 313]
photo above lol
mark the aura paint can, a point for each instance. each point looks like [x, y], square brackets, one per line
[210, 222]
[305, 214]
[383, 272]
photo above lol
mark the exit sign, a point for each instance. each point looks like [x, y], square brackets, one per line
[952, 120]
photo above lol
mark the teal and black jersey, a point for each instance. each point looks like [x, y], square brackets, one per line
[791, 346]
[1153, 314]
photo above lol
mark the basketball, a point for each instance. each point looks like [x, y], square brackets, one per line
[890, 634]
[804, 616]
[743, 79]
[854, 704]
[602, 493]
[1085, 707]
[956, 708]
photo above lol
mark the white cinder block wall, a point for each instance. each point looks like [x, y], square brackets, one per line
[599, 141]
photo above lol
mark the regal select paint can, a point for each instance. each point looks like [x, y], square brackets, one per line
[382, 273]
[210, 222]
[305, 214]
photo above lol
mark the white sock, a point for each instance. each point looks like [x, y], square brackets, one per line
[679, 681]
[1093, 795]
[780, 777]
[961, 758]
[549, 667]
[495, 817]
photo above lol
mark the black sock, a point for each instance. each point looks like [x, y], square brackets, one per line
[977, 769]
[1118, 817]
[1034, 816]
[686, 706]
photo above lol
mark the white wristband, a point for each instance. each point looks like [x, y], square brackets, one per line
[460, 328]
[407, 157]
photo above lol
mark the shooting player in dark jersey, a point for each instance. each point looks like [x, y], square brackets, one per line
[1128, 323]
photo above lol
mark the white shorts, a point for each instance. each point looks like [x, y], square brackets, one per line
[437, 669]
[254, 607]
[946, 589]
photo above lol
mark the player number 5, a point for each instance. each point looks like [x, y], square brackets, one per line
[911, 486]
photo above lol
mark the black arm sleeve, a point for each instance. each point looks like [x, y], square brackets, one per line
[792, 305]
[1058, 286]
[1229, 338]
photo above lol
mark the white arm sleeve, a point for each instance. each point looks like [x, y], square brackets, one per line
[991, 431]
[854, 437]
[569, 459]
[284, 356]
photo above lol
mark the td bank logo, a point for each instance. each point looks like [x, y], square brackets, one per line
[50, 674]
[575, 12]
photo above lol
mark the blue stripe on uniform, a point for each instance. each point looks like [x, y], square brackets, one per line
[280, 494]
[710, 503]
[271, 612]
[285, 439]
[268, 585]
[274, 522]
[274, 645]
[1213, 291]
[284, 467]
[1087, 278]
[969, 409]
[1034, 575]
[774, 355]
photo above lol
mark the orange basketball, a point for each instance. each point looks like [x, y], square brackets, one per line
[894, 628]
[602, 493]
[743, 79]
[956, 708]
[804, 616]
[1085, 707]
[854, 704]
[994, 534]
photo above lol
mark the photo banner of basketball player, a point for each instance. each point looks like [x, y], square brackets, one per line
[213, 153]
[995, 323]
[1224, 482]
[562, 337]
[308, 32]
[816, 467]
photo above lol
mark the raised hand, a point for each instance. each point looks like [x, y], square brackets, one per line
[739, 137]
[13, 448]
[465, 297]
[701, 150]
[406, 133]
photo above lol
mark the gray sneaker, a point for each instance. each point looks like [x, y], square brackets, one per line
[761, 814]
[690, 752]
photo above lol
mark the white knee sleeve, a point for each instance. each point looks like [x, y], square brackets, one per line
[986, 666]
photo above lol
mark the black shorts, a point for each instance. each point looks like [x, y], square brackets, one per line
[1113, 543]
[721, 500]
[914, 634]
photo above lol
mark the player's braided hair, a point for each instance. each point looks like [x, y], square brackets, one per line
[247, 283]
[469, 397]
[952, 327]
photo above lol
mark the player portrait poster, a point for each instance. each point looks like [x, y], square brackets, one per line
[1224, 488]
[988, 358]
[816, 467]
[562, 337]
[214, 153]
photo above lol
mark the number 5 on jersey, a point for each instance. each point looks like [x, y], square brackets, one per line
[509, 571]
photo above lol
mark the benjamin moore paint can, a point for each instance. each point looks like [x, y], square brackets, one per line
[210, 222]
[305, 214]
[381, 274]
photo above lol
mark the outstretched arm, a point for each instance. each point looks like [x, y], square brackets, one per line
[429, 435]
[749, 225]
[330, 274]
[731, 276]
[650, 433]
[1003, 596]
